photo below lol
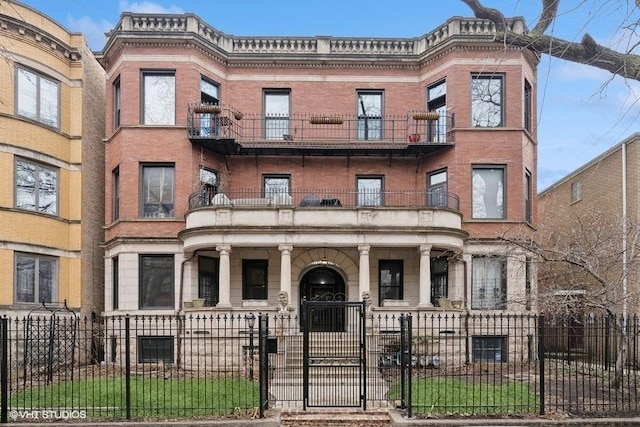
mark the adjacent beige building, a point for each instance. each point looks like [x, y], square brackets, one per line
[594, 210]
[51, 165]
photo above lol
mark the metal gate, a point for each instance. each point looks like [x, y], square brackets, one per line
[334, 354]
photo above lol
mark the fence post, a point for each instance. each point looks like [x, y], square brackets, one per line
[4, 386]
[127, 366]
[263, 362]
[541, 360]
[403, 327]
[410, 365]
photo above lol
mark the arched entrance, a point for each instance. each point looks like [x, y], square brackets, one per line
[324, 284]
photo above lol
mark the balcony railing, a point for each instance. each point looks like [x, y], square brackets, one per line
[324, 198]
[318, 131]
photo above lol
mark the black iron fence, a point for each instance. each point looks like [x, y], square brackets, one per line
[58, 365]
[318, 130]
[323, 198]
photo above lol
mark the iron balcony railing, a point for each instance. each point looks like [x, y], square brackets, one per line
[211, 122]
[324, 198]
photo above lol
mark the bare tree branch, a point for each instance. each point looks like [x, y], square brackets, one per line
[588, 51]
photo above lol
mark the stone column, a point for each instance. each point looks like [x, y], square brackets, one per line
[285, 271]
[224, 277]
[425, 276]
[364, 278]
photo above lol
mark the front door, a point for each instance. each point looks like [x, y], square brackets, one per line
[324, 284]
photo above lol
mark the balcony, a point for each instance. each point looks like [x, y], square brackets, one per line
[325, 198]
[225, 130]
[323, 217]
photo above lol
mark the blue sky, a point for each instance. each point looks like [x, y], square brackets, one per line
[582, 111]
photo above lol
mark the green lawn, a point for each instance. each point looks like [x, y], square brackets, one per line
[457, 396]
[150, 397]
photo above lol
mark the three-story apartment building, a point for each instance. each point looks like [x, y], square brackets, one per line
[51, 165]
[254, 173]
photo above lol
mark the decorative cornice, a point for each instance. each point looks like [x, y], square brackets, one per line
[163, 29]
[32, 32]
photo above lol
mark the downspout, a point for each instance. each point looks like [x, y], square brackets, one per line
[180, 311]
[624, 239]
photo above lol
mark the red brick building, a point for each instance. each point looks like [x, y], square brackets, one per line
[256, 172]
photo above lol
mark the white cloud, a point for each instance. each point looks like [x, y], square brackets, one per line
[569, 71]
[147, 7]
[93, 31]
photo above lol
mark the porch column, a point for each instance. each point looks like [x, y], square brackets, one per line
[285, 271]
[425, 276]
[364, 270]
[224, 277]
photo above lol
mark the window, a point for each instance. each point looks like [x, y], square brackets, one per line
[528, 100]
[254, 278]
[116, 103]
[439, 279]
[488, 192]
[437, 189]
[489, 284]
[437, 101]
[36, 187]
[116, 193]
[156, 281]
[157, 191]
[576, 191]
[274, 185]
[115, 269]
[36, 278]
[276, 115]
[390, 279]
[369, 109]
[208, 280]
[486, 100]
[159, 98]
[490, 349]
[527, 196]
[209, 94]
[369, 191]
[38, 97]
[155, 349]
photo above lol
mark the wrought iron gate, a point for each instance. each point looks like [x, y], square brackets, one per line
[334, 354]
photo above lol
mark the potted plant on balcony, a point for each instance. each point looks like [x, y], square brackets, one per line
[426, 115]
[414, 137]
[207, 109]
[326, 120]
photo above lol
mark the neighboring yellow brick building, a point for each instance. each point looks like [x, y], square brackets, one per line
[585, 211]
[51, 164]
